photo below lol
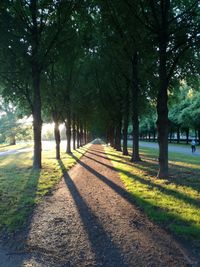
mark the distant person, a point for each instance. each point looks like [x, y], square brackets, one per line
[193, 145]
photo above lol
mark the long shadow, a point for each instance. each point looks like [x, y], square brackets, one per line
[193, 183]
[116, 160]
[147, 166]
[101, 152]
[168, 191]
[149, 208]
[106, 252]
[19, 219]
[152, 167]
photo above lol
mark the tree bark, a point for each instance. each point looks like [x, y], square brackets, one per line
[81, 134]
[37, 120]
[111, 138]
[149, 137]
[199, 136]
[68, 133]
[135, 120]
[187, 135]
[78, 133]
[125, 137]
[36, 73]
[178, 135]
[57, 138]
[118, 135]
[74, 132]
[162, 109]
[12, 140]
[85, 134]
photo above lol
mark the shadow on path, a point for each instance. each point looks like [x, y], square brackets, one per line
[106, 252]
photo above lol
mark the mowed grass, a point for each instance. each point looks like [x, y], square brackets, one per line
[173, 203]
[21, 187]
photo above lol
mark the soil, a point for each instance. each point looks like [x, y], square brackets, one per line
[91, 220]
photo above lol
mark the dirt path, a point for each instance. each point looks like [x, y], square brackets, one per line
[90, 220]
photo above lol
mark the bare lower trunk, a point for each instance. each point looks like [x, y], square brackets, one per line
[135, 120]
[118, 136]
[187, 135]
[57, 138]
[85, 134]
[111, 136]
[12, 141]
[74, 133]
[37, 120]
[68, 133]
[162, 111]
[78, 133]
[135, 154]
[125, 133]
[178, 135]
[81, 134]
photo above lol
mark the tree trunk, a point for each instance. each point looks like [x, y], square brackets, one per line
[37, 120]
[149, 137]
[12, 140]
[187, 135]
[162, 109]
[118, 136]
[57, 138]
[178, 135]
[81, 134]
[112, 134]
[36, 73]
[199, 136]
[68, 133]
[78, 134]
[135, 120]
[85, 134]
[74, 133]
[125, 139]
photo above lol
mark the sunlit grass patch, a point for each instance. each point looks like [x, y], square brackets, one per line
[5, 147]
[21, 187]
[174, 203]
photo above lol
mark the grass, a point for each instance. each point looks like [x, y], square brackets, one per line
[21, 187]
[173, 203]
[6, 147]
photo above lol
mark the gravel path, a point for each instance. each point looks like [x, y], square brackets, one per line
[91, 220]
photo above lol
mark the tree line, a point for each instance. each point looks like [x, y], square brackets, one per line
[99, 66]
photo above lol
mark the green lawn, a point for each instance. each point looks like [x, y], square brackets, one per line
[173, 203]
[21, 187]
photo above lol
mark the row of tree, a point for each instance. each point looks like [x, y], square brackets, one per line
[98, 65]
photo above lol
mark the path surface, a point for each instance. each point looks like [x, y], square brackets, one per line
[171, 148]
[90, 220]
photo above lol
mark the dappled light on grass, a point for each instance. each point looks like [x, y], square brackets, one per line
[175, 202]
[21, 187]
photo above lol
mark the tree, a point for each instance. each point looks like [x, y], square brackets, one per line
[33, 29]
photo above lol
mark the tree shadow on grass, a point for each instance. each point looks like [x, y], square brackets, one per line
[17, 216]
[174, 193]
[170, 220]
[106, 252]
